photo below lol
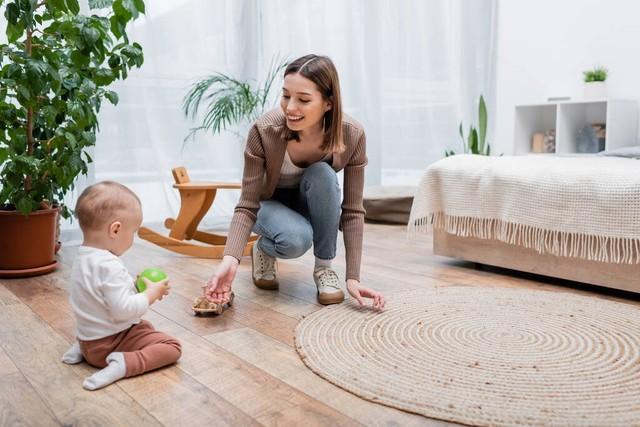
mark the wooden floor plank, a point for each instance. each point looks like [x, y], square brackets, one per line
[19, 402]
[236, 369]
[154, 391]
[264, 397]
[280, 301]
[283, 363]
[197, 271]
[244, 312]
[175, 398]
[35, 349]
[47, 300]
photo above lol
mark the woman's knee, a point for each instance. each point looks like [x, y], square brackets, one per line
[320, 171]
[294, 243]
[320, 177]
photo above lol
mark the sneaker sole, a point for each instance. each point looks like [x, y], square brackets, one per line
[336, 298]
[269, 285]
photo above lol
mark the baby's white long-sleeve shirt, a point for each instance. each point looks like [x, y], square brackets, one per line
[103, 295]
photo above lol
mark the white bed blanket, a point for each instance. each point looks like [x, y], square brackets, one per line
[586, 207]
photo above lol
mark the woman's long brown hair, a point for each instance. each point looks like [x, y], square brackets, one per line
[321, 71]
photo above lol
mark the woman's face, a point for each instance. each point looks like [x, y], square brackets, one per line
[302, 102]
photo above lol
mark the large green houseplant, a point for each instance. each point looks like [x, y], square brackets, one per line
[54, 72]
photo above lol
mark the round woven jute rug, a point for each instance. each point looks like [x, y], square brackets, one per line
[485, 356]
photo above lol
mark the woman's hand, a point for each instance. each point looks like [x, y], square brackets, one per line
[218, 287]
[359, 292]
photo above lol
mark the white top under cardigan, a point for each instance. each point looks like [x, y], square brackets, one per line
[290, 174]
[103, 295]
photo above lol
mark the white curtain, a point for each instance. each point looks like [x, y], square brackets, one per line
[409, 71]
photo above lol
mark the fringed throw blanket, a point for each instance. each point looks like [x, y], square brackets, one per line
[584, 207]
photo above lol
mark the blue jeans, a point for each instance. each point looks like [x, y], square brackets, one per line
[295, 218]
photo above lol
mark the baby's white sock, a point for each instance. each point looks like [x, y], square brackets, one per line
[73, 355]
[322, 263]
[115, 370]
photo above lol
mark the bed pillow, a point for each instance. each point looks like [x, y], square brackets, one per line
[632, 152]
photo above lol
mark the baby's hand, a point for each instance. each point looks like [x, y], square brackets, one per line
[156, 290]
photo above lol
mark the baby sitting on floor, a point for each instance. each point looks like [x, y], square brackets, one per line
[111, 335]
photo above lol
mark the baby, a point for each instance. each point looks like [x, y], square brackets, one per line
[107, 307]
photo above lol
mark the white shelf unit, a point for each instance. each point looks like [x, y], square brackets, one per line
[569, 117]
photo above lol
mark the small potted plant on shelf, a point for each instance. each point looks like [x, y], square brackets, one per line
[54, 72]
[594, 83]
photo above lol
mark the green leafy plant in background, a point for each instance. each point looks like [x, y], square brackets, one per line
[55, 70]
[228, 100]
[597, 74]
[100, 4]
[475, 142]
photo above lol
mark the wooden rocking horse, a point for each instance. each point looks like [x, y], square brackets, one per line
[196, 199]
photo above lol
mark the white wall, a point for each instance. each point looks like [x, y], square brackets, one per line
[544, 45]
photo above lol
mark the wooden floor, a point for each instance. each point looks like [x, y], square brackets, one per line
[237, 369]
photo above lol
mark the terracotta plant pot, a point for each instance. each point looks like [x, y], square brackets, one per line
[27, 242]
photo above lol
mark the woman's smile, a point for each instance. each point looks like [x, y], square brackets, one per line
[294, 118]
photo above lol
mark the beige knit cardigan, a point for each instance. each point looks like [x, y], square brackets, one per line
[263, 157]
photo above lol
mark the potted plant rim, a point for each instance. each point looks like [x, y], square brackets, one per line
[55, 69]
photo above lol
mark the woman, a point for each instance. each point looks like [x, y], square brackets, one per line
[290, 191]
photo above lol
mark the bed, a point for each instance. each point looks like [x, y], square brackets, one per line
[575, 218]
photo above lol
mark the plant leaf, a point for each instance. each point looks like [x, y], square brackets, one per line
[90, 36]
[227, 101]
[24, 205]
[4, 154]
[12, 13]
[473, 141]
[62, 78]
[57, 5]
[14, 32]
[482, 124]
[116, 27]
[100, 4]
[111, 96]
[124, 10]
[139, 5]
[74, 6]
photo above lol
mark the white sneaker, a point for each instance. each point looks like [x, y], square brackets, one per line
[264, 269]
[328, 285]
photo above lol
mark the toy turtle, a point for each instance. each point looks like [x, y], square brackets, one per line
[202, 306]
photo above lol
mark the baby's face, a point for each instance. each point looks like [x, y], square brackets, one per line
[131, 222]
